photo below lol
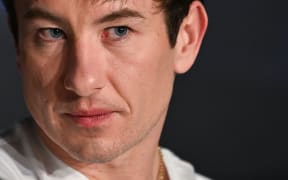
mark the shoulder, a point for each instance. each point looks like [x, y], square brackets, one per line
[10, 144]
[13, 159]
[11, 140]
[10, 154]
[178, 168]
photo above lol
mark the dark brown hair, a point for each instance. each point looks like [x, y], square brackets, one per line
[174, 10]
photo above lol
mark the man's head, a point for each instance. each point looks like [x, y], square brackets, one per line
[98, 75]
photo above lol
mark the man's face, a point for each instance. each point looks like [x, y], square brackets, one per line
[97, 76]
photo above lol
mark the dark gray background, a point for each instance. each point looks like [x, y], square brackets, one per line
[228, 114]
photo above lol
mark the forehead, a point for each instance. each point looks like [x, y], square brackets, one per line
[86, 6]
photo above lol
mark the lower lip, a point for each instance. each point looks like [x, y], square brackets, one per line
[91, 121]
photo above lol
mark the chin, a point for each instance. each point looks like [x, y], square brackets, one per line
[94, 152]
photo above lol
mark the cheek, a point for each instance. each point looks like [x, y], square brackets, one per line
[34, 94]
[42, 69]
[40, 78]
[156, 81]
[145, 79]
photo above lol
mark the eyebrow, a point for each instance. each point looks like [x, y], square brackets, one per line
[123, 13]
[35, 13]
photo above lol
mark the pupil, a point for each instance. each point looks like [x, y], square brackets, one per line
[56, 32]
[121, 31]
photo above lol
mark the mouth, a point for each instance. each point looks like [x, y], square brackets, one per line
[91, 118]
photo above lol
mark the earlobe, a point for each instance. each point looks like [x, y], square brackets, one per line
[190, 37]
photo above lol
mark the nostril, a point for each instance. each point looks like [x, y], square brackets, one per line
[67, 85]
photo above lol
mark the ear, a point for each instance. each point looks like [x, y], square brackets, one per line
[190, 37]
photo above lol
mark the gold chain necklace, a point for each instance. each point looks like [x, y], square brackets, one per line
[162, 174]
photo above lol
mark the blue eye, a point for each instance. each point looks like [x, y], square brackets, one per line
[51, 34]
[120, 31]
[55, 33]
[116, 33]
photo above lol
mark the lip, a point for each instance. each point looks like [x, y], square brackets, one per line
[90, 118]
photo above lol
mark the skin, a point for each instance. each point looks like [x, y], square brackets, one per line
[89, 66]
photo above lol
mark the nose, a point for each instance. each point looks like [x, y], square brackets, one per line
[85, 69]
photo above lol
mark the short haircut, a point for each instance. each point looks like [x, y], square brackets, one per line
[174, 10]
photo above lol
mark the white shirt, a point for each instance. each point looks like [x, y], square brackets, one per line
[24, 157]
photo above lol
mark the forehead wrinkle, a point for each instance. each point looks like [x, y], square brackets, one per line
[120, 4]
[101, 2]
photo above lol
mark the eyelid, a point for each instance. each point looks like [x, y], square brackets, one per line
[42, 34]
